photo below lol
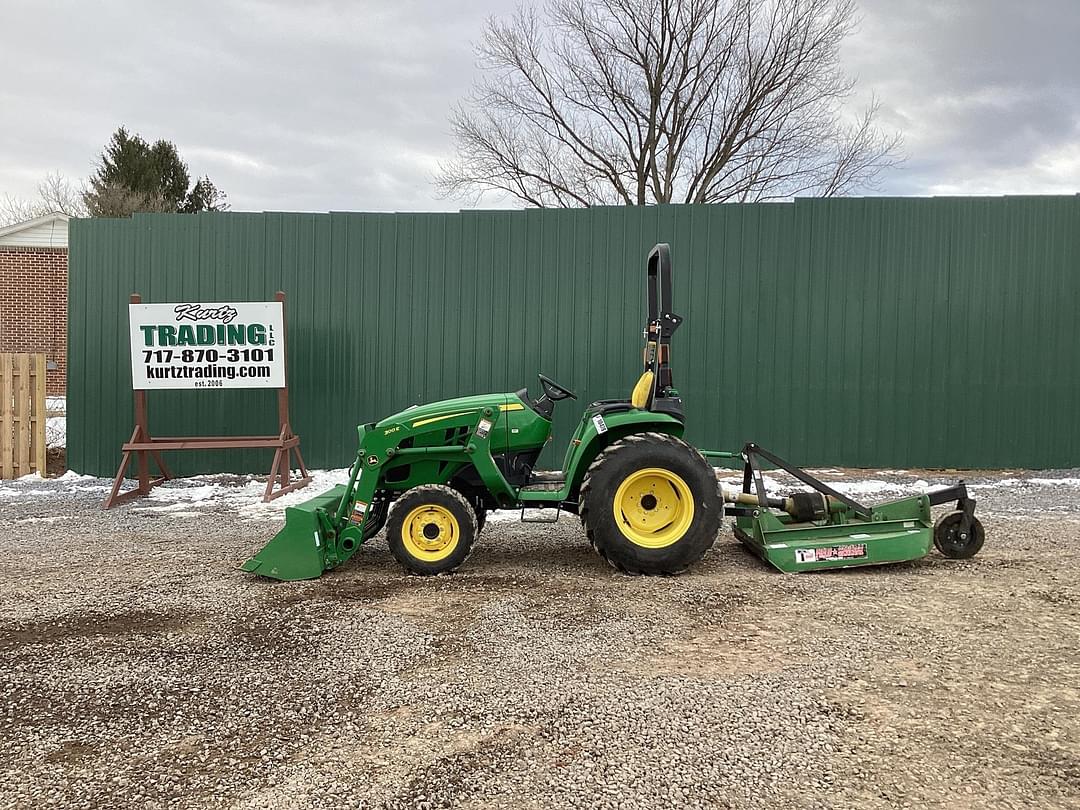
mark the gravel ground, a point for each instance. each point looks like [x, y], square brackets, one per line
[139, 667]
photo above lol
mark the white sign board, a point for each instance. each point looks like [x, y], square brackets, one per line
[200, 345]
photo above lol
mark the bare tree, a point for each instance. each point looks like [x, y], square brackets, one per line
[56, 195]
[114, 199]
[631, 102]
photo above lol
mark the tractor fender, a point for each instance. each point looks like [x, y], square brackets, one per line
[592, 441]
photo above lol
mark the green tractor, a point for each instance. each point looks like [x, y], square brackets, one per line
[649, 502]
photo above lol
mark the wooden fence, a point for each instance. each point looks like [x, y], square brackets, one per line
[22, 414]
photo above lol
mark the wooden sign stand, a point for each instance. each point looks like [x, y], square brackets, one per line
[142, 444]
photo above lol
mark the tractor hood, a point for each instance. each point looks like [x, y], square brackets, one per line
[446, 408]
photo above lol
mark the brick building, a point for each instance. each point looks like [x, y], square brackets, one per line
[33, 292]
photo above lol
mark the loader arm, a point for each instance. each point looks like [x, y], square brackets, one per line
[324, 532]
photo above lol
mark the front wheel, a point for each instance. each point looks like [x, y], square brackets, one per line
[431, 529]
[477, 504]
[650, 504]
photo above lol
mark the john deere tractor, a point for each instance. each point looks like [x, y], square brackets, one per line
[648, 501]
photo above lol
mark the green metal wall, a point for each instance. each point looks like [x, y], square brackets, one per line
[864, 332]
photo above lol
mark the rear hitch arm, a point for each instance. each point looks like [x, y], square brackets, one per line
[752, 474]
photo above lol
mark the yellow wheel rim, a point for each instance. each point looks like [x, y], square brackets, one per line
[430, 533]
[653, 507]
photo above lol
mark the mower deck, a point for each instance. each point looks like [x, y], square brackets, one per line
[842, 532]
[799, 547]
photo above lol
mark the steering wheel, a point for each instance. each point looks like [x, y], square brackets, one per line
[554, 391]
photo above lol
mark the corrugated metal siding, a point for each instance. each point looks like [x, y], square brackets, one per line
[863, 332]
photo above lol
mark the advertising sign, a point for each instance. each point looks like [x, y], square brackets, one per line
[201, 345]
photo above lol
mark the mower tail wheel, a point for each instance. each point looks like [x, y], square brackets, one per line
[431, 529]
[953, 542]
[650, 504]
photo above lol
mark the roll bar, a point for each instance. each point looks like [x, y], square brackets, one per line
[662, 322]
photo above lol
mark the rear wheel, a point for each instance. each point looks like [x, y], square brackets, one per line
[431, 529]
[650, 504]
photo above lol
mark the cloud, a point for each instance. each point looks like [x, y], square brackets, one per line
[309, 106]
[344, 105]
[985, 92]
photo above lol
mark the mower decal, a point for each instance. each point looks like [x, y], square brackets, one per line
[316, 533]
[513, 406]
[483, 428]
[854, 551]
[431, 419]
[599, 424]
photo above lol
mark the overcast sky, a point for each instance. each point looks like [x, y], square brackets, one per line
[343, 105]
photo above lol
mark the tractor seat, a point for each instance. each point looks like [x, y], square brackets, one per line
[639, 399]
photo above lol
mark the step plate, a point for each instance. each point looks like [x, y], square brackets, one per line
[545, 486]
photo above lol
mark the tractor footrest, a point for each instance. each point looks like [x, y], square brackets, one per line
[547, 486]
[545, 481]
[547, 477]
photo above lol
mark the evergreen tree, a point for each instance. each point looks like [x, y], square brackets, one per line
[136, 176]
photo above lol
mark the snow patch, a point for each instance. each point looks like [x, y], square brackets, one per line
[242, 494]
[504, 516]
[175, 508]
[185, 493]
[17, 492]
[71, 475]
[771, 484]
[872, 487]
[1004, 482]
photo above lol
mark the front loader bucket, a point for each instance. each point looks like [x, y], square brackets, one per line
[298, 551]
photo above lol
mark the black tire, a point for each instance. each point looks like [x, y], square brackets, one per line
[475, 501]
[955, 545]
[627, 461]
[422, 518]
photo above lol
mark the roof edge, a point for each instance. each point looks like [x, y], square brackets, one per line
[7, 230]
